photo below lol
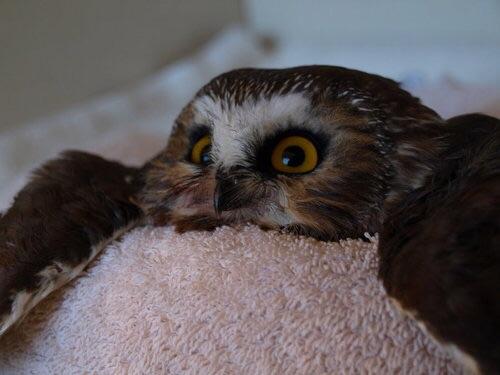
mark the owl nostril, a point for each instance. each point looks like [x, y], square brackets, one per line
[228, 193]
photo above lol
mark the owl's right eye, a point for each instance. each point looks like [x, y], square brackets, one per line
[200, 153]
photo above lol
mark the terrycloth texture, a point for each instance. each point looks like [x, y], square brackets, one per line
[235, 301]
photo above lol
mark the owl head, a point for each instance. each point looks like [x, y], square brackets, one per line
[314, 150]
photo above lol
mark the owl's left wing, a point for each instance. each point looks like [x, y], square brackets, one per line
[439, 249]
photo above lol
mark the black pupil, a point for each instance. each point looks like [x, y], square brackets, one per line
[205, 155]
[293, 156]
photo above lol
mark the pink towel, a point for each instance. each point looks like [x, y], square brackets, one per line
[235, 301]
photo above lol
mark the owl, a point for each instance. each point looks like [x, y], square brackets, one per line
[319, 151]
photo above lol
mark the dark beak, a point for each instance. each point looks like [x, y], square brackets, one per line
[229, 194]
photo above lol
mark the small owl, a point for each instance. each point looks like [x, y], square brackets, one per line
[320, 151]
[316, 150]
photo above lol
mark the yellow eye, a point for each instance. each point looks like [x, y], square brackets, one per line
[294, 154]
[200, 154]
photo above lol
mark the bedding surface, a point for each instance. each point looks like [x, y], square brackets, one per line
[235, 301]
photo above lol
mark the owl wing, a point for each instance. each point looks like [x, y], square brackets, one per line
[69, 211]
[439, 249]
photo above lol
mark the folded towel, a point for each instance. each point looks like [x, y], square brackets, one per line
[234, 301]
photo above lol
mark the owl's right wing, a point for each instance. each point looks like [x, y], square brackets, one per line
[70, 210]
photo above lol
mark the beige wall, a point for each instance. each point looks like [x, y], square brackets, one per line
[57, 52]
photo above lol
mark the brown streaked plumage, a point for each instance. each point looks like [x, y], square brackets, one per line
[440, 247]
[378, 143]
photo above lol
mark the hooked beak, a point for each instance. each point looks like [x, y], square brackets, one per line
[229, 194]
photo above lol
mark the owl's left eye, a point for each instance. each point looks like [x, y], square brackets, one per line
[200, 153]
[294, 154]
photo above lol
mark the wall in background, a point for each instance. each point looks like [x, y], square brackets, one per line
[380, 21]
[411, 41]
[54, 53]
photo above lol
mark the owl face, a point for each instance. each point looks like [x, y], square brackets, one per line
[313, 150]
